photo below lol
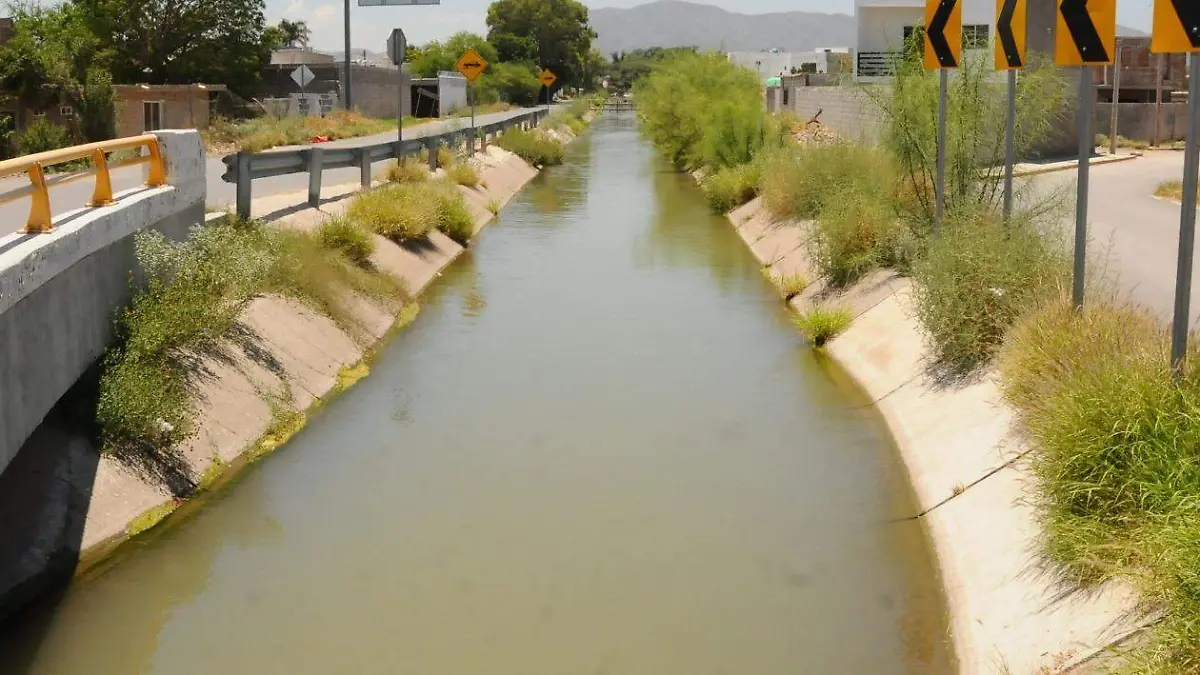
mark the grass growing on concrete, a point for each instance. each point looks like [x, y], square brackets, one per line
[406, 211]
[821, 323]
[195, 291]
[858, 232]
[977, 279]
[791, 285]
[532, 146]
[349, 238]
[730, 187]
[1115, 460]
[1104, 141]
[463, 174]
[408, 170]
[799, 182]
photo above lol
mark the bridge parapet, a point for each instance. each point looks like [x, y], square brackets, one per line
[60, 290]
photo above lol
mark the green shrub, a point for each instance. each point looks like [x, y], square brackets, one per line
[408, 170]
[797, 182]
[792, 285]
[41, 136]
[856, 232]
[730, 187]
[702, 110]
[977, 279]
[532, 146]
[454, 218]
[398, 211]
[1114, 459]
[463, 174]
[195, 291]
[821, 324]
[349, 238]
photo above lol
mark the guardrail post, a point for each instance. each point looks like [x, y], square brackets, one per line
[432, 146]
[314, 176]
[483, 140]
[364, 167]
[242, 162]
[39, 207]
[103, 193]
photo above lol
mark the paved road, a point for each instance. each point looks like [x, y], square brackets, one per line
[1134, 234]
[73, 195]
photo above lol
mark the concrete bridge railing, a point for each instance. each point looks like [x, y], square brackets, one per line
[60, 291]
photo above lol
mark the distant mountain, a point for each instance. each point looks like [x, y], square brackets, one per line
[1126, 31]
[673, 23]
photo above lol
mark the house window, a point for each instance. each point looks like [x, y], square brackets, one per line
[151, 115]
[66, 111]
[975, 36]
[39, 113]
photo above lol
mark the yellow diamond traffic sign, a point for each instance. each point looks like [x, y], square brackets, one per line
[547, 78]
[471, 65]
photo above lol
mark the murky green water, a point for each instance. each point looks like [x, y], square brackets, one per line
[602, 449]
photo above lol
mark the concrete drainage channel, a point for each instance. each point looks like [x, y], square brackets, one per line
[67, 507]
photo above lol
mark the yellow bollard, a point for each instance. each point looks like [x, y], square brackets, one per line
[103, 194]
[39, 207]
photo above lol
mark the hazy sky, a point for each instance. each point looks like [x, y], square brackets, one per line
[372, 25]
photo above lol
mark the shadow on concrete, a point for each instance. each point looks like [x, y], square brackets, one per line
[421, 246]
[279, 214]
[44, 495]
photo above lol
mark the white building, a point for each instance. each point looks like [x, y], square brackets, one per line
[885, 25]
[774, 63]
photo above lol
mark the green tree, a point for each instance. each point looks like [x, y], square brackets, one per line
[438, 56]
[54, 58]
[557, 30]
[515, 83]
[182, 41]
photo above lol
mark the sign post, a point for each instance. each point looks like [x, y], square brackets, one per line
[547, 79]
[303, 76]
[371, 3]
[397, 49]
[1177, 29]
[471, 65]
[943, 49]
[1085, 35]
[1010, 55]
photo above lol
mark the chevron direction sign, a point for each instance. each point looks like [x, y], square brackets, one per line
[1010, 34]
[1086, 34]
[943, 33]
[1176, 26]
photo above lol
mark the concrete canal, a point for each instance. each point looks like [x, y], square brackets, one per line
[602, 449]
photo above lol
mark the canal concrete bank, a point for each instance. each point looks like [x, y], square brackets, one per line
[250, 394]
[966, 462]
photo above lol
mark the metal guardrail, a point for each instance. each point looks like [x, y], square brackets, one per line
[243, 168]
[40, 218]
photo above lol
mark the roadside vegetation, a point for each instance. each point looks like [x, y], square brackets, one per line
[409, 211]
[194, 294]
[267, 132]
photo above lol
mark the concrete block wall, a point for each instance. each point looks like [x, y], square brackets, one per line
[60, 291]
[849, 111]
[1135, 121]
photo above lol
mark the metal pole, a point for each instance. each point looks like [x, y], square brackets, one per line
[1010, 133]
[1116, 102]
[473, 131]
[1158, 78]
[400, 104]
[1087, 143]
[349, 103]
[943, 93]
[1187, 222]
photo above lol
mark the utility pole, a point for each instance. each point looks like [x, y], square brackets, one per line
[349, 102]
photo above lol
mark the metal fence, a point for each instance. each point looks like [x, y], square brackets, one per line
[244, 167]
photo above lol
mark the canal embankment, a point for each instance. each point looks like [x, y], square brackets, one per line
[244, 329]
[968, 463]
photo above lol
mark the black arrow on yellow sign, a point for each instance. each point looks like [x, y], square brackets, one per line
[937, 34]
[1008, 41]
[1083, 31]
[1189, 16]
